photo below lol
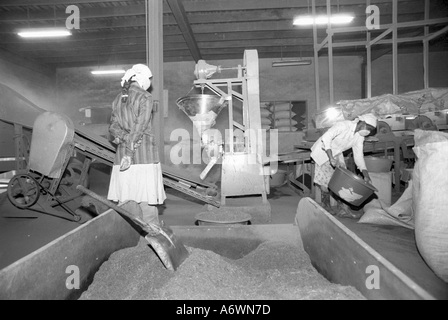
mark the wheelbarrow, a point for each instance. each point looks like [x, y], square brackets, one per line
[37, 187]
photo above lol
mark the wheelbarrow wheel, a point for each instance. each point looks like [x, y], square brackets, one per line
[23, 191]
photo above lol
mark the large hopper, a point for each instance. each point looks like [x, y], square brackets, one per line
[202, 109]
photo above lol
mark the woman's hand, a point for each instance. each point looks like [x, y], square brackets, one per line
[367, 179]
[334, 163]
[125, 163]
[116, 141]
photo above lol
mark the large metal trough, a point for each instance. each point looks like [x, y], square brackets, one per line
[42, 274]
[340, 250]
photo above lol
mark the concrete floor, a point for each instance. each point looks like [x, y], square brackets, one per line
[24, 231]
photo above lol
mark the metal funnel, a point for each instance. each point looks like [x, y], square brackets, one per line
[201, 104]
[202, 109]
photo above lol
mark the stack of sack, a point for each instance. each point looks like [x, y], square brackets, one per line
[266, 121]
[283, 117]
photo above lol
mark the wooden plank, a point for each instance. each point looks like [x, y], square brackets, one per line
[343, 258]
[42, 275]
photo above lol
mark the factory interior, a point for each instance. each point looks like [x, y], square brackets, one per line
[245, 94]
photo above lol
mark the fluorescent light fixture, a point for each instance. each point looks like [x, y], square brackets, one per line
[290, 63]
[323, 19]
[44, 33]
[107, 72]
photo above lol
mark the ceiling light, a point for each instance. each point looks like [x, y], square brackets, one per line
[107, 72]
[289, 63]
[44, 33]
[323, 19]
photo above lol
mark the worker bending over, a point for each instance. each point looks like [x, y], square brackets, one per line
[327, 153]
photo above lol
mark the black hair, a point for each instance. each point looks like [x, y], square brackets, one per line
[125, 90]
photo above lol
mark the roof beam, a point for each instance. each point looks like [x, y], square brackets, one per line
[192, 5]
[218, 24]
[53, 13]
[20, 3]
[182, 21]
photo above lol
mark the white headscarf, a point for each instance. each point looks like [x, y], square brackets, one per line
[369, 119]
[140, 73]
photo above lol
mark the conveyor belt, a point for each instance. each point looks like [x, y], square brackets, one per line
[102, 150]
[15, 108]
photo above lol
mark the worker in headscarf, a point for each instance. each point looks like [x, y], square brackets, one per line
[136, 173]
[327, 153]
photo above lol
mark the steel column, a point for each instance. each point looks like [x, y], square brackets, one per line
[154, 60]
[316, 59]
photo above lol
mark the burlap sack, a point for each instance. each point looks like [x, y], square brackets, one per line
[281, 107]
[283, 115]
[430, 195]
[265, 120]
[287, 129]
[265, 112]
[285, 122]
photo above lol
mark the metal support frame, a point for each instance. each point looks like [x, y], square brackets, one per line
[242, 170]
[369, 63]
[20, 149]
[316, 59]
[154, 60]
[389, 28]
[230, 84]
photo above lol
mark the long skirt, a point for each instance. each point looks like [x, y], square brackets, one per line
[323, 173]
[140, 183]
